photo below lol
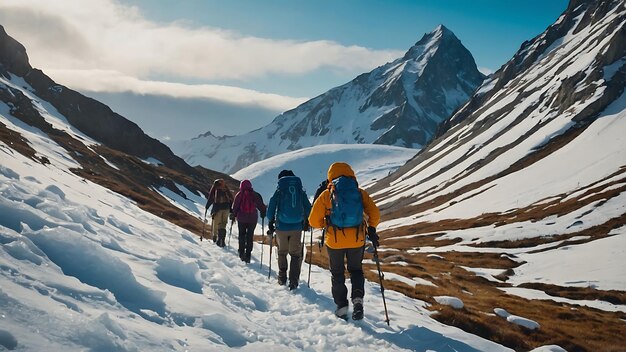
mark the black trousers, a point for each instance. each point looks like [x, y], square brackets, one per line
[246, 231]
[353, 258]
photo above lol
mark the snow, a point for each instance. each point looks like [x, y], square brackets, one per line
[549, 348]
[501, 312]
[563, 172]
[488, 274]
[343, 115]
[593, 264]
[84, 268]
[453, 302]
[407, 281]
[515, 319]
[536, 294]
[152, 161]
[370, 162]
[527, 323]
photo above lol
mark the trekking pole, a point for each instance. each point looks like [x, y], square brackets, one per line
[302, 249]
[321, 242]
[380, 279]
[262, 241]
[271, 245]
[203, 224]
[230, 232]
[308, 282]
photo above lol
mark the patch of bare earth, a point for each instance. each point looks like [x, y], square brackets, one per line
[569, 325]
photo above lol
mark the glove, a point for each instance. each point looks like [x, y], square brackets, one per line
[263, 214]
[232, 217]
[372, 235]
[305, 225]
[271, 228]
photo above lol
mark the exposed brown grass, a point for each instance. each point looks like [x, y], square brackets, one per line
[573, 327]
[576, 328]
[579, 293]
[18, 143]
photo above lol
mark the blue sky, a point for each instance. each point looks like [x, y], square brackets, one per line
[257, 57]
[492, 30]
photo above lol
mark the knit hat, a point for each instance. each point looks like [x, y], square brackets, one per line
[286, 173]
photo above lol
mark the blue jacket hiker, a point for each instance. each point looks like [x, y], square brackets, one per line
[288, 213]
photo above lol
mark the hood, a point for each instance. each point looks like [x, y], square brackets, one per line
[339, 169]
[245, 185]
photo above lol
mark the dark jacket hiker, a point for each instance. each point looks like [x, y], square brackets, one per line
[287, 214]
[221, 199]
[245, 206]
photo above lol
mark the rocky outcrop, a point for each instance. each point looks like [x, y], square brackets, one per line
[13, 56]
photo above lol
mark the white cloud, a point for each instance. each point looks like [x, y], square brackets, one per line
[105, 35]
[115, 82]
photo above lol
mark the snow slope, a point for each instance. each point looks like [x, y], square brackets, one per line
[538, 152]
[84, 268]
[370, 162]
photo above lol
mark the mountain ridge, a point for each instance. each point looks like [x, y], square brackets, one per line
[105, 147]
[399, 103]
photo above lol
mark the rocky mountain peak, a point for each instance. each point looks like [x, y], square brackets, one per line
[400, 103]
[430, 42]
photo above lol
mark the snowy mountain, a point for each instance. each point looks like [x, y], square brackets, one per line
[99, 145]
[400, 103]
[505, 233]
[84, 268]
[370, 162]
[99, 249]
[530, 177]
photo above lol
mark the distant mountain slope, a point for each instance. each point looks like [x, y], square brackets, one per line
[370, 162]
[400, 103]
[103, 146]
[524, 189]
[552, 90]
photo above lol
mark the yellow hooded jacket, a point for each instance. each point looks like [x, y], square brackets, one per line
[342, 238]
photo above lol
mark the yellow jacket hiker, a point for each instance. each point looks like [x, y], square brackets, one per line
[347, 242]
[342, 238]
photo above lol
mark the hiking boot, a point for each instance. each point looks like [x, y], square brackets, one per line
[293, 285]
[247, 257]
[221, 238]
[282, 278]
[342, 312]
[357, 308]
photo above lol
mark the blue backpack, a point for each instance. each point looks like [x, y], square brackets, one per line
[290, 204]
[347, 204]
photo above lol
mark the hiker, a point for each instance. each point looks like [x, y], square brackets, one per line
[348, 214]
[221, 198]
[321, 188]
[287, 215]
[244, 209]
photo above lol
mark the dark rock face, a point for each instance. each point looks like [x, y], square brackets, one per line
[122, 140]
[99, 122]
[451, 68]
[91, 117]
[13, 56]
